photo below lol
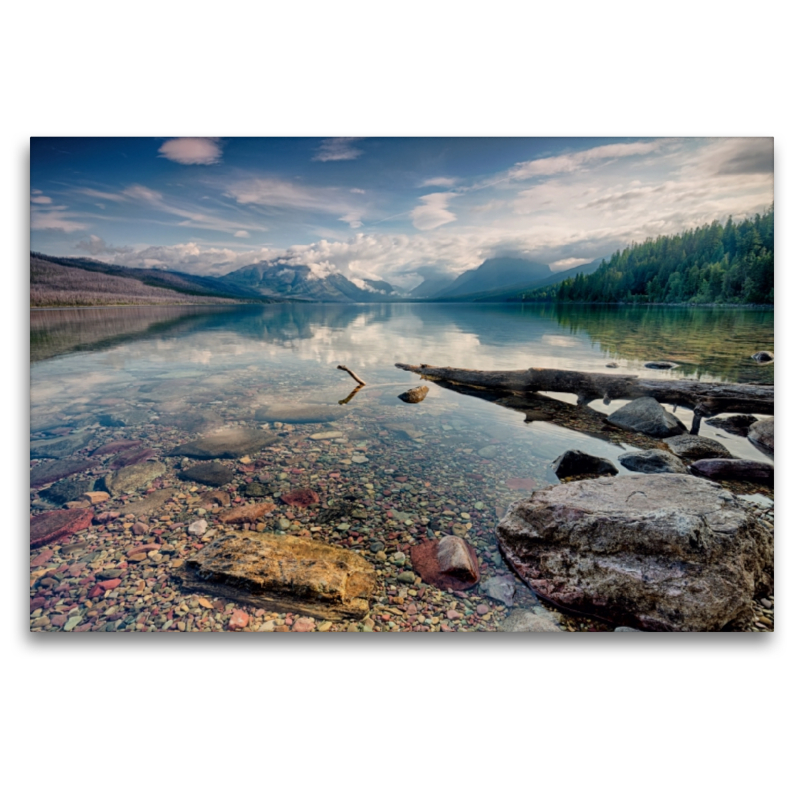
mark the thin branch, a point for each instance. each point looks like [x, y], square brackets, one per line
[352, 375]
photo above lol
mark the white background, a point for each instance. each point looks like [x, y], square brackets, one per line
[695, 716]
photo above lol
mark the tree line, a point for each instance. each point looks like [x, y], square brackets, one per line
[716, 263]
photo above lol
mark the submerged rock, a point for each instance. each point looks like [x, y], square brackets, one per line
[500, 587]
[129, 479]
[737, 424]
[256, 489]
[52, 525]
[734, 469]
[124, 418]
[283, 573]
[149, 503]
[762, 434]
[524, 620]
[415, 395]
[67, 490]
[61, 446]
[695, 447]
[763, 357]
[51, 471]
[450, 563]
[246, 513]
[656, 552]
[117, 446]
[130, 457]
[230, 443]
[660, 365]
[301, 414]
[576, 462]
[301, 498]
[651, 461]
[210, 474]
[646, 415]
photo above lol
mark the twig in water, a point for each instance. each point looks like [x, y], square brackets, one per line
[352, 375]
[350, 396]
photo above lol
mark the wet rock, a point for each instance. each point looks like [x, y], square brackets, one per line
[612, 365]
[652, 461]
[62, 446]
[301, 498]
[696, 447]
[52, 525]
[576, 462]
[300, 415]
[239, 620]
[404, 431]
[500, 587]
[327, 435]
[452, 565]
[198, 527]
[129, 479]
[196, 422]
[762, 435]
[734, 469]
[626, 629]
[415, 395]
[737, 424]
[116, 447]
[51, 471]
[657, 552]
[246, 513]
[222, 499]
[490, 451]
[283, 573]
[209, 474]
[523, 620]
[124, 417]
[95, 498]
[130, 457]
[67, 490]
[763, 357]
[148, 504]
[646, 415]
[256, 489]
[230, 443]
[660, 365]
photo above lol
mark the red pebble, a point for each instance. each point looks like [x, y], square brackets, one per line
[107, 586]
[42, 558]
[239, 620]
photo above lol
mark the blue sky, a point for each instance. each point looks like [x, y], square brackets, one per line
[380, 207]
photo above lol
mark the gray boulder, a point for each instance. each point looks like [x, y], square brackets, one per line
[654, 552]
[696, 447]
[230, 443]
[576, 462]
[129, 479]
[734, 469]
[523, 620]
[500, 587]
[762, 435]
[737, 424]
[651, 461]
[646, 415]
[209, 474]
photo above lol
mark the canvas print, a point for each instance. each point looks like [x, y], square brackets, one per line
[410, 385]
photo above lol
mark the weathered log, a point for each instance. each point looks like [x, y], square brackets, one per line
[705, 399]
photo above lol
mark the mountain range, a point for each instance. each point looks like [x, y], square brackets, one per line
[83, 281]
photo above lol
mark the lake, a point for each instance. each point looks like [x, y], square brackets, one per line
[163, 376]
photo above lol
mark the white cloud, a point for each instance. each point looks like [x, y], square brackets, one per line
[338, 149]
[55, 218]
[242, 235]
[447, 182]
[40, 199]
[352, 219]
[433, 212]
[191, 151]
[358, 191]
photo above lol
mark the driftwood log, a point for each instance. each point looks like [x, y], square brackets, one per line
[704, 399]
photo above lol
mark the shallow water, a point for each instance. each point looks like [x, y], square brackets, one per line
[166, 375]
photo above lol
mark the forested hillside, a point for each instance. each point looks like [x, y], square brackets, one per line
[730, 263]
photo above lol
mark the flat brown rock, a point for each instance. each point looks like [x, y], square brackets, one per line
[56, 470]
[246, 513]
[283, 573]
[301, 498]
[52, 525]
[425, 560]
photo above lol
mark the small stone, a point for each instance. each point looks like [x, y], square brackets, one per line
[415, 395]
[303, 625]
[482, 609]
[238, 621]
[198, 527]
[406, 577]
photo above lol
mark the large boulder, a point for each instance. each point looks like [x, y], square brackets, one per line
[654, 552]
[734, 469]
[651, 461]
[230, 443]
[737, 424]
[283, 573]
[695, 447]
[646, 415]
[762, 435]
[576, 462]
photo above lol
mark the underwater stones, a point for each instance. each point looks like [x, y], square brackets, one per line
[124, 418]
[132, 456]
[61, 446]
[523, 620]
[450, 563]
[500, 587]
[322, 435]
[696, 447]
[51, 471]
[576, 462]
[137, 476]
[301, 414]
[209, 474]
[245, 513]
[230, 443]
[301, 498]
[646, 415]
[734, 469]
[222, 499]
[52, 525]
[762, 435]
[116, 446]
[415, 395]
[655, 552]
[651, 461]
[67, 490]
[256, 489]
[148, 504]
[285, 574]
